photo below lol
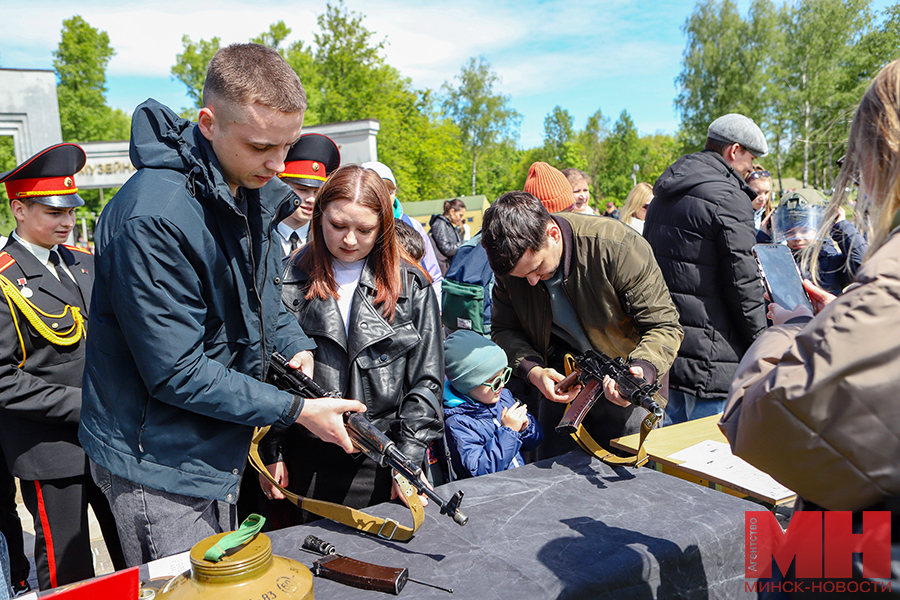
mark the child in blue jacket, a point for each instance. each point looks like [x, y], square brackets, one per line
[486, 427]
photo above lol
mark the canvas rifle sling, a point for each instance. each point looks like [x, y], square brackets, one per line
[384, 528]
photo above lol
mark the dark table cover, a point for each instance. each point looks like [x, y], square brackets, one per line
[570, 527]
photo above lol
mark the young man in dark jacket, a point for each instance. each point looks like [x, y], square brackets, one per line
[700, 226]
[187, 309]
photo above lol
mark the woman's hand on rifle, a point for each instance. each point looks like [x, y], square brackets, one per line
[304, 361]
[396, 492]
[279, 473]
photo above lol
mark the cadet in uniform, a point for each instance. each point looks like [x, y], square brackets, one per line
[43, 319]
[308, 164]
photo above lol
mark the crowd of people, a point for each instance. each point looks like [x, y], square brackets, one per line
[131, 379]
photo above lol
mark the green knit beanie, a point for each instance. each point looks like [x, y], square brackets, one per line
[471, 359]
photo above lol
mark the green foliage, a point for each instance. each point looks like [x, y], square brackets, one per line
[797, 68]
[80, 62]
[658, 151]
[7, 163]
[714, 68]
[624, 152]
[463, 141]
[278, 32]
[559, 142]
[354, 77]
[484, 117]
[190, 68]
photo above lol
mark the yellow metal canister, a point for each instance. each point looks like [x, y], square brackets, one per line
[251, 572]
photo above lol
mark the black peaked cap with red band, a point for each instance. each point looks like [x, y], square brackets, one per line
[48, 177]
[311, 160]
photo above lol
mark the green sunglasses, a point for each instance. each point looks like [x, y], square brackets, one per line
[497, 383]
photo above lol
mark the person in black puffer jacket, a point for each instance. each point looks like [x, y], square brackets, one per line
[700, 226]
[445, 233]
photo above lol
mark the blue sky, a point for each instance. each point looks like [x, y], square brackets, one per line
[611, 55]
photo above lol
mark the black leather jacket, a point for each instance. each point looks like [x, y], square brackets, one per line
[396, 369]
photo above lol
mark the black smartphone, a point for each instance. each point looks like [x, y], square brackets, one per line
[780, 276]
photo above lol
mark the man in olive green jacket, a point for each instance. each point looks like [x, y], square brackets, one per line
[569, 283]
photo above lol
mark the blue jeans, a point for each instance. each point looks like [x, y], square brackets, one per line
[685, 407]
[5, 582]
[154, 524]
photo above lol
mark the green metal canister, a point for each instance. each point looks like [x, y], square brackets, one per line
[249, 572]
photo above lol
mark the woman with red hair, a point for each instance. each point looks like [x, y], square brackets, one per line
[376, 324]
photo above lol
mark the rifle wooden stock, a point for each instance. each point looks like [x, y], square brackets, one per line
[570, 380]
[580, 406]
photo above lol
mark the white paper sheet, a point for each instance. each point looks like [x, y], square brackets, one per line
[716, 460]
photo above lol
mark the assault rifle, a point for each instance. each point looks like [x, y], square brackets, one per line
[589, 371]
[365, 436]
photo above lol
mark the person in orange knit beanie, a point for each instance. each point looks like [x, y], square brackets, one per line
[550, 186]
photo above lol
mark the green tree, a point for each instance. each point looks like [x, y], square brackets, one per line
[190, 69]
[560, 143]
[657, 152]
[346, 79]
[351, 81]
[278, 32]
[355, 81]
[624, 151]
[303, 61]
[593, 148]
[484, 117]
[80, 62]
[7, 163]
[714, 75]
[796, 68]
[823, 34]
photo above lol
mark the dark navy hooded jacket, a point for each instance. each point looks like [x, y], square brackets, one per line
[185, 312]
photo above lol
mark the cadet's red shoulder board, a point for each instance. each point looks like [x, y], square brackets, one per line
[76, 249]
[6, 261]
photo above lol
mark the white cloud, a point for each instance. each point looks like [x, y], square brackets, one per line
[553, 48]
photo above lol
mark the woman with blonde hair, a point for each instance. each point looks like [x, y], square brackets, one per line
[814, 401]
[636, 204]
[376, 324]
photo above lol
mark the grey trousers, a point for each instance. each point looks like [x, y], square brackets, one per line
[154, 524]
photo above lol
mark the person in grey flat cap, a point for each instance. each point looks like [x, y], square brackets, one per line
[700, 226]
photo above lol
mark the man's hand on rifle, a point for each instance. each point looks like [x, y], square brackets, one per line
[612, 390]
[545, 380]
[324, 418]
